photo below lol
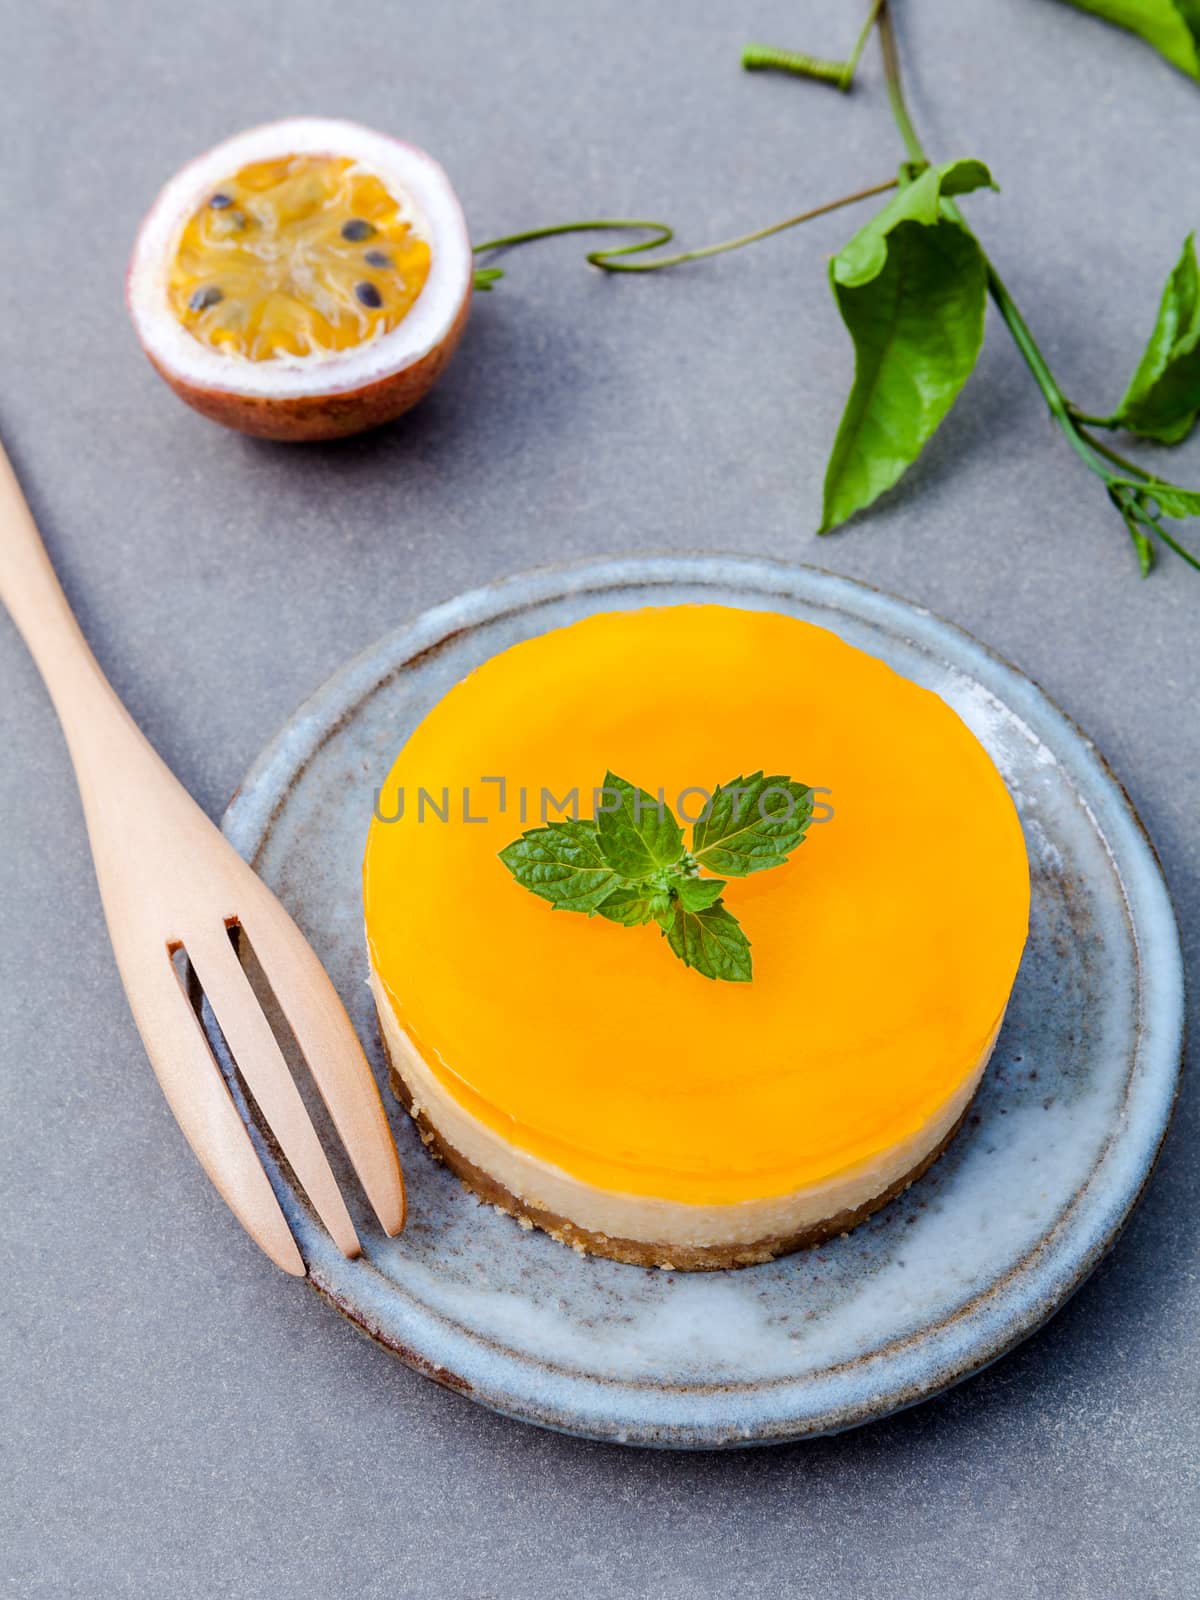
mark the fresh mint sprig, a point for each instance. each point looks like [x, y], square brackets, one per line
[629, 863]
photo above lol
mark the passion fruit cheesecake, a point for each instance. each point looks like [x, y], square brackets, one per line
[572, 1072]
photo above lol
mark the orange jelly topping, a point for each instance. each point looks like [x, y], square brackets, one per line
[884, 951]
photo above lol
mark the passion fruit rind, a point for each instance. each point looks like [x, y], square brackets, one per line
[310, 418]
[328, 393]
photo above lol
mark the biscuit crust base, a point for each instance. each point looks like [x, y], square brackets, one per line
[640, 1252]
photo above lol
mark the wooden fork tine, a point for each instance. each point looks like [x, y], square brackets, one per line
[261, 1063]
[192, 1083]
[334, 1055]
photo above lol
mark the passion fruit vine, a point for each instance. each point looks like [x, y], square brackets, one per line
[306, 279]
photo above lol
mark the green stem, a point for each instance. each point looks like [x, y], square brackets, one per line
[766, 58]
[665, 233]
[1174, 544]
[1116, 458]
[895, 89]
[1093, 422]
[604, 259]
[1118, 495]
[1060, 409]
[860, 44]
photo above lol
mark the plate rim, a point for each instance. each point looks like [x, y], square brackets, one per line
[1046, 1281]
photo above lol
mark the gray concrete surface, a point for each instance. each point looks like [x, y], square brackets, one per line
[178, 1418]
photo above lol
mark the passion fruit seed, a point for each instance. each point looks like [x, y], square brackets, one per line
[222, 224]
[277, 244]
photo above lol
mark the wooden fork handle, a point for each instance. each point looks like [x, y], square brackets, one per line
[125, 788]
[138, 813]
[28, 585]
[31, 592]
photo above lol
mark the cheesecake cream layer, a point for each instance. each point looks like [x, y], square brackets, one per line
[536, 1188]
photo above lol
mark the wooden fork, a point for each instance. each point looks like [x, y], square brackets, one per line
[170, 881]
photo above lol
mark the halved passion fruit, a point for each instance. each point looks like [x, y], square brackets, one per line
[304, 280]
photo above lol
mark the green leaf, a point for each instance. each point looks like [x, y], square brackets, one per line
[1141, 540]
[865, 256]
[638, 836]
[629, 864]
[632, 904]
[562, 863]
[1143, 547]
[1171, 26]
[912, 289]
[1173, 501]
[697, 894]
[753, 823]
[1144, 502]
[1163, 398]
[712, 942]
[1170, 499]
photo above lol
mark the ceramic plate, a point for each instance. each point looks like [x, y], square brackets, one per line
[1055, 1152]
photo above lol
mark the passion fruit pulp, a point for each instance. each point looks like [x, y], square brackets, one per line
[294, 257]
[305, 280]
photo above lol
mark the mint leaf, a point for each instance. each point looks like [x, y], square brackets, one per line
[911, 287]
[562, 863]
[629, 865]
[632, 904]
[638, 835]
[1171, 26]
[697, 894]
[712, 942]
[1163, 397]
[753, 823]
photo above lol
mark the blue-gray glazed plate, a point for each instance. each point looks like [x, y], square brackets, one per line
[1058, 1146]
